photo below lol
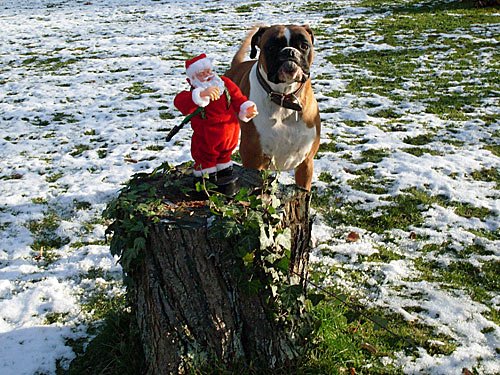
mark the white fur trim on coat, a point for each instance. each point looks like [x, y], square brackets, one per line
[200, 173]
[243, 111]
[222, 166]
[198, 100]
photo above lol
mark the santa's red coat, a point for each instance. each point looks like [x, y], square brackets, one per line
[215, 136]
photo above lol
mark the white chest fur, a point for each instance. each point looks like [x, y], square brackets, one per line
[284, 136]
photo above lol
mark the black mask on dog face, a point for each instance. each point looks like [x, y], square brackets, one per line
[286, 52]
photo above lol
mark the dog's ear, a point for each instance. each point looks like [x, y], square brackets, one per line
[309, 31]
[256, 41]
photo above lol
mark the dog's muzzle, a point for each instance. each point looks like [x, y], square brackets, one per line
[291, 68]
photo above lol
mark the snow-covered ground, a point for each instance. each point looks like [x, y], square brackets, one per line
[86, 92]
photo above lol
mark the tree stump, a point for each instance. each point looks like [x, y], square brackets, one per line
[210, 288]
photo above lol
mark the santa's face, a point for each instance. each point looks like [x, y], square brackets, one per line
[204, 75]
[206, 78]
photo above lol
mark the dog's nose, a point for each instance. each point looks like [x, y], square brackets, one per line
[288, 53]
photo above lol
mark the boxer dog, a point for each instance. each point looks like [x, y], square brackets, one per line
[285, 135]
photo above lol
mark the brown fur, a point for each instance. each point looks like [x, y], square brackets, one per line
[250, 147]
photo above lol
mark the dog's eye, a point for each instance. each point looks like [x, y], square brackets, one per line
[304, 46]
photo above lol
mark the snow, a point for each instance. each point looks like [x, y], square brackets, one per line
[72, 131]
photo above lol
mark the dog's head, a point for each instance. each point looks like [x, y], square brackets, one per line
[286, 52]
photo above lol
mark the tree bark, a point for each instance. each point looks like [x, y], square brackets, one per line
[191, 309]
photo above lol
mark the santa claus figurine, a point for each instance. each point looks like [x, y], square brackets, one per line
[215, 128]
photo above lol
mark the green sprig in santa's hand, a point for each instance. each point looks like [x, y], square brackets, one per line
[216, 127]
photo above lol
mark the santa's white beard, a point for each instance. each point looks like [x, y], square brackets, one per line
[214, 80]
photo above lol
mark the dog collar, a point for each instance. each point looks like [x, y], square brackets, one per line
[290, 101]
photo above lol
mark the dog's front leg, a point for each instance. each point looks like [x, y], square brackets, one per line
[304, 173]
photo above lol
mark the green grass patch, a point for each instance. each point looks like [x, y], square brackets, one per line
[487, 174]
[54, 177]
[403, 212]
[372, 156]
[37, 121]
[102, 153]
[80, 149]
[494, 149]
[212, 10]
[383, 255]
[55, 317]
[350, 336]
[100, 302]
[325, 177]
[138, 89]
[370, 184]
[419, 151]
[51, 64]
[480, 283]
[115, 350]
[247, 8]
[490, 235]
[39, 200]
[318, 6]
[155, 147]
[387, 113]
[166, 116]
[469, 211]
[390, 63]
[64, 117]
[419, 140]
[451, 107]
[45, 237]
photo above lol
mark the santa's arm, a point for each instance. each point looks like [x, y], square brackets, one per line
[248, 110]
[245, 108]
[188, 101]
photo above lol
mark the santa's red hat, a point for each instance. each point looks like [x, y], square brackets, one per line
[196, 64]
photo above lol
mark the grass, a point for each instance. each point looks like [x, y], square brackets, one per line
[372, 156]
[80, 149]
[115, 350]
[403, 213]
[137, 89]
[369, 185]
[247, 8]
[49, 64]
[46, 240]
[480, 283]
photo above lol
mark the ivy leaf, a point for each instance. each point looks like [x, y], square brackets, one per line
[275, 202]
[255, 202]
[117, 245]
[247, 243]
[128, 256]
[283, 264]
[315, 298]
[139, 243]
[242, 195]
[284, 239]
[274, 290]
[253, 286]
[254, 220]
[225, 228]
[138, 227]
[248, 258]
[291, 293]
[266, 241]
[216, 201]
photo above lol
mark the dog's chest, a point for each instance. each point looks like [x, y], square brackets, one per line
[284, 137]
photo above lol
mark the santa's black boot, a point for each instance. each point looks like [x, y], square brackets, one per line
[227, 182]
